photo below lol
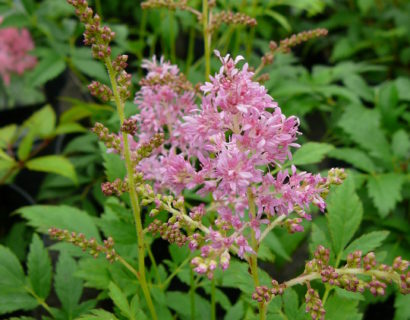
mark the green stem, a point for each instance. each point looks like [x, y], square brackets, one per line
[98, 7]
[154, 264]
[249, 43]
[166, 283]
[172, 36]
[40, 301]
[213, 304]
[192, 294]
[190, 55]
[207, 38]
[253, 258]
[132, 191]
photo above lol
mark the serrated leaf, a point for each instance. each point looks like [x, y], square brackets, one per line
[48, 68]
[120, 300]
[342, 293]
[94, 272]
[39, 268]
[385, 190]
[98, 314]
[344, 214]
[68, 288]
[357, 84]
[318, 237]
[114, 165]
[236, 312]
[13, 301]
[13, 295]
[338, 308]
[401, 144]
[366, 243]
[91, 68]
[11, 272]
[272, 241]
[369, 136]
[43, 217]
[311, 152]
[402, 306]
[356, 157]
[53, 164]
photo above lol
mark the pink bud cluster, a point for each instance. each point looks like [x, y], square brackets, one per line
[15, 46]
[230, 17]
[95, 35]
[265, 294]
[100, 91]
[314, 305]
[373, 276]
[111, 140]
[90, 245]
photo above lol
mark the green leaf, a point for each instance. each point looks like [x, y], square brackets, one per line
[369, 136]
[402, 306]
[318, 237]
[338, 308]
[272, 241]
[385, 190]
[63, 217]
[291, 304]
[5, 156]
[114, 165]
[236, 312]
[401, 144]
[366, 243]
[311, 152]
[42, 122]
[365, 5]
[355, 157]
[91, 68]
[48, 68]
[98, 314]
[94, 272]
[6, 135]
[25, 146]
[11, 272]
[70, 127]
[6, 164]
[120, 300]
[39, 268]
[54, 164]
[13, 295]
[14, 301]
[344, 214]
[279, 19]
[68, 288]
[357, 85]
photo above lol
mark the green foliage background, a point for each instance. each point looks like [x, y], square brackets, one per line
[351, 91]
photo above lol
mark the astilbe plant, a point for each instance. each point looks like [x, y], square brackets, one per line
[227, 141]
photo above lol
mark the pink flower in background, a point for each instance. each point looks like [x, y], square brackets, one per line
[14, 52]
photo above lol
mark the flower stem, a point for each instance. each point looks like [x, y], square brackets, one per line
[133, 194]
[253, 258]
[192, 293]
[40, 301]
[207, 38]
[213, 304]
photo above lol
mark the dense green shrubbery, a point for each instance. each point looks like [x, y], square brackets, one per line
[350, 90]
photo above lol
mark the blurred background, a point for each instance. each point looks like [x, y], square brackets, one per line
[350, 89]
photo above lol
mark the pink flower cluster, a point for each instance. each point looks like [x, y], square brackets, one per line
[14, 52]
[227, 147]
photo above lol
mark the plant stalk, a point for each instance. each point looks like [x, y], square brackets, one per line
[133, 194]
[207, 38]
